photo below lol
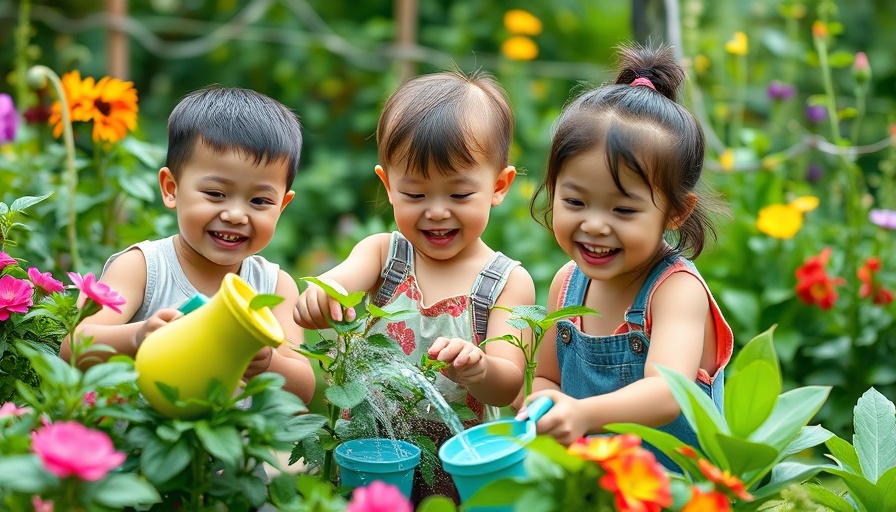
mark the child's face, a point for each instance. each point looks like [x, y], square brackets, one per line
[609, 235]
[443, 215]
[227, 207]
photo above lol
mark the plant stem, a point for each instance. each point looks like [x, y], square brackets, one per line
[22, 36]
[38, 76]
[328, 470]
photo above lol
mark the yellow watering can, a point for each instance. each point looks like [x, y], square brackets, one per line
[216, 341]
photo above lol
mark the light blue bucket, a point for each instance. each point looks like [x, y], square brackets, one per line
[489, 452]
[362, 461]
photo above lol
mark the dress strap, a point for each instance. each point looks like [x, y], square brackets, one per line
[637, 312]
[486, 289]
[396, 268]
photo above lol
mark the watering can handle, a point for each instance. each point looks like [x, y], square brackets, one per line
[539, 407]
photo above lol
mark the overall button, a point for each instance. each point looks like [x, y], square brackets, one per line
[636, 345]
[565, 334]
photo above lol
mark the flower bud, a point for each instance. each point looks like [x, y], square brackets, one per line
[861, 70]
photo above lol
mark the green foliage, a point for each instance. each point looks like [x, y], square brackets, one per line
[264, 300]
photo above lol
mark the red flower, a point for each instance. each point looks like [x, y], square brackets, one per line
[724, 480]
[814, 286]
[871, 287]
[712, 501]
[400, 332]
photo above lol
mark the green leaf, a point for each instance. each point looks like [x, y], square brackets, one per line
[108, 375]
[760, 348]
[795, 408]
[121, 490]
[700, 411]
[437, 504]
[504, 491]
[548, 447]
[305, 425]
[887, 484]
[662, 441]
[349, 301]
[161, 461]
[875, 431]
[22, 203]
[567, 312]
[347, 395]
[784, 475]
[744, 456]
[809, 437]
[827, 498]
[264, 300]
[23, 473]
[866, 495]
[222, 441]
[845, 455]
[750, 397]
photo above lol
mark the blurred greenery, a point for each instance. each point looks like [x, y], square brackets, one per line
[334, 63]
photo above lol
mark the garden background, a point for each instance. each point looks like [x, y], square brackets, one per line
[797, 99]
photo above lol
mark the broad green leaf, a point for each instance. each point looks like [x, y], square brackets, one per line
[107, 375]
[750, 397]
[222, 441]
[305, 425]
[264, 300]
[875, 431]
[662, 441]
[504, 491]
[120, 490]
[568, 312]
[844, 454]
[827, 498]
[697, 407]
[795, 408]
[887, 484]
[347, 395]
[22, 203]
[784, 474]
[760, 348]
[809, 437]
[161, 461]
[349, 301]
[866, 495]
[744, 456]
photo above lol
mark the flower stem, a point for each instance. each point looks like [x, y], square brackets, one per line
[23, 32]
[38, 76]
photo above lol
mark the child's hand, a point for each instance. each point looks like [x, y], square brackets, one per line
[563, 420]
[159, 319]
[315, 306]
[260, 363]
[467, 363]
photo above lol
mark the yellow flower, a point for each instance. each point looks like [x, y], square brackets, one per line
[780, 220]
[519, 48]
[701, 63]
[111, 104]
[805, 203]
[738, 45]
[726, 160]
[518, 21]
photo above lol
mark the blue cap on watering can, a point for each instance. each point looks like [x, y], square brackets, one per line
[193, 303]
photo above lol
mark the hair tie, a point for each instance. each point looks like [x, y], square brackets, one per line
[643, 81]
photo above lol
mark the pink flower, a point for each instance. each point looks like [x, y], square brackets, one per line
[44, 281]
[378, 497]
[98, 292]
[15, 296]
[6, 259]
[41, 505]
[68, 448]
[10, 409]
[90, 398]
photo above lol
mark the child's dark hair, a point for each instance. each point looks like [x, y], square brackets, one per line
[442, 119]
[641, 128]
[234, 119]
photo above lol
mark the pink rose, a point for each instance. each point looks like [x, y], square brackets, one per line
[15, 296]
[378, 497]
[44, 281]
[10, 409]
[68, 448]
[98, 292]
[41, 505]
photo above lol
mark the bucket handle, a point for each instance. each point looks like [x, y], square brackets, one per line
[538, 408]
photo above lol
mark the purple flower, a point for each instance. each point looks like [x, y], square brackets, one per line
[813, 173]
[779, 91]
[9, 119]
[816, 113]
[883, 218]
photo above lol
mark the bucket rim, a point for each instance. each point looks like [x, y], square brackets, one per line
[491, 462]
[409, 453]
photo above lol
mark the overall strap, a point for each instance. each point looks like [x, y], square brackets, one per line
[396, 268]
[637, 312]
[486, 289]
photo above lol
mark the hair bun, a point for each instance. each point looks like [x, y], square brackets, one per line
[655, 63]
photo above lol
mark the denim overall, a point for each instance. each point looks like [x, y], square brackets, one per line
[595, 365]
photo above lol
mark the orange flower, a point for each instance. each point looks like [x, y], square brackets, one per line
[519, 48]
[602, 448]
[639, 482]
[724, 479]
[712, 501]
[688, 452]
[819, 29]
[871, 287]
[111, 104]
[518, 21]
[814, 286]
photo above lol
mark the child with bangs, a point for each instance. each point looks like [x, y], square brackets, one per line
[443, 142]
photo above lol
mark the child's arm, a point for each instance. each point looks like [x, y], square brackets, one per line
[359, 272]
[294, 367]
[126, 275]
[493, 375]
[679, 310]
